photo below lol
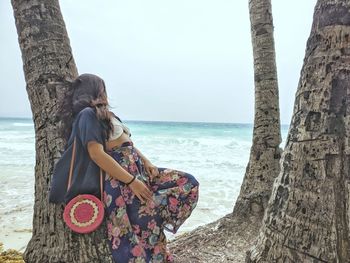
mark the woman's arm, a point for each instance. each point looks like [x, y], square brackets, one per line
[113, 168]
[90, 133]
[107, 163]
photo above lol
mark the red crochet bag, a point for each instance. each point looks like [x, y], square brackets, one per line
[85, 212]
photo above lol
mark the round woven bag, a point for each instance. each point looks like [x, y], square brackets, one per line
[84, 213]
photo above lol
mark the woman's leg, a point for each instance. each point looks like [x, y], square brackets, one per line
[119, 229]
[135, 230]
[176, 194]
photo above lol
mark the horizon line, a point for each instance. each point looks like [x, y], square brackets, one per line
[168, 121]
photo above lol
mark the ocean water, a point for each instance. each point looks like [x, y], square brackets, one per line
[215, 153]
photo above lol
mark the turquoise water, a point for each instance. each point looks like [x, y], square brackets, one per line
[215, 153]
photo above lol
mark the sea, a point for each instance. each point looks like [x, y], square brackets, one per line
[215, 153]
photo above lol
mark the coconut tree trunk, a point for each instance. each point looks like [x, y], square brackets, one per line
[48, 63]
[263, 166]
[308, 215]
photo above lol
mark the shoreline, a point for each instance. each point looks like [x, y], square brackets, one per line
[18, 239]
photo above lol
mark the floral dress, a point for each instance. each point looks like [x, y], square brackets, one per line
[136, 230]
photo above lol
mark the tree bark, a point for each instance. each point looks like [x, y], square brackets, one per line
[48, 64]
[263, 166]
[307, 219]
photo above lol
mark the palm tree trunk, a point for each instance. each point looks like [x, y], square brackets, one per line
[48, 63]
[263, 166]
[308, 215]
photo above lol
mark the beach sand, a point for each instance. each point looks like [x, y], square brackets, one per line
[17, 240]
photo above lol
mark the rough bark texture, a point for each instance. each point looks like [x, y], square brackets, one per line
[225, 240]
[307, 219]
[47, 63]
[263, 166]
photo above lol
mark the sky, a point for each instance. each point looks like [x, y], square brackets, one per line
[162, 60]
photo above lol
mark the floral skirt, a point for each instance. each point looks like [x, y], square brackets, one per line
[135, 229]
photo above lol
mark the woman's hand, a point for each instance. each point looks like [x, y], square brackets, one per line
[141, 190]
[150, 168]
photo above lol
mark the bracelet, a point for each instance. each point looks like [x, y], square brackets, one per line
[134, 177]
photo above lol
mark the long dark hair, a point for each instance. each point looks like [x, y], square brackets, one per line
[87, 90]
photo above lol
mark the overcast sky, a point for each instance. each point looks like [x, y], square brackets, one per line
[184, 60]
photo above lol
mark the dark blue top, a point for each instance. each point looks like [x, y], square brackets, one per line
[86, 173]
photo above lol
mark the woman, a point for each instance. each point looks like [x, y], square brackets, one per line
[141, 199]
